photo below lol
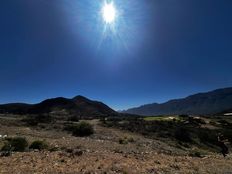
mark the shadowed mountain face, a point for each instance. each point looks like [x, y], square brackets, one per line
[90, 107]
[79, 106]
[203, 103]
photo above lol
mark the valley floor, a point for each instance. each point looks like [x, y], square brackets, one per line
[102, 153]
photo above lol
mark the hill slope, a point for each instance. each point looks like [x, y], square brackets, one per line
[79, 106]
[203, 103]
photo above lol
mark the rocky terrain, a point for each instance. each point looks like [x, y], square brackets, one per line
[102, 153]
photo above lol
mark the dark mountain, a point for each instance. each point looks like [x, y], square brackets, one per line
[15, 108]
[203, 103]
[79, 106]
[51, 105]
[92, 108]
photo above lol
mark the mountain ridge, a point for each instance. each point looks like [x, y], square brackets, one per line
[210, 102]
[78, 105]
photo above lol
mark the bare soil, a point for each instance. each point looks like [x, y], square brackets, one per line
[102, 153]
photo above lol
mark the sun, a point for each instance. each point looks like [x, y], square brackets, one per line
[109, 13]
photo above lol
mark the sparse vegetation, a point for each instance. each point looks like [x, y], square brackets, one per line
[126, 140]
[34, 120]
[80, 129]
[162, 118]
[74, 152]
[195, 154]
[122, 141]
[73, 118]
[186, 129]
[131, 139]
[182, 134]
[39, 145]
[17, 144]
[167, 143]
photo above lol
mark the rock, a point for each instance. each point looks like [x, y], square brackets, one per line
[78, 152]
[74, 152]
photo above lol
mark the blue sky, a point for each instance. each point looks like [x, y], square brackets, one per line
[155, 51]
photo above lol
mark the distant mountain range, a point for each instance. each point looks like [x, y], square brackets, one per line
[78, 106]
[213, 102]
[217, 101]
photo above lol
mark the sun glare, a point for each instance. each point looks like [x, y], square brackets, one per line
[108, 13]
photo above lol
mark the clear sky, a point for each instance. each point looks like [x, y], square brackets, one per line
[155, 51]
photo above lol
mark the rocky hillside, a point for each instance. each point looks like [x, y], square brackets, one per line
[79, 106]
[203, 103]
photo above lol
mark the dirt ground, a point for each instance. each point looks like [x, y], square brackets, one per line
[102, 153]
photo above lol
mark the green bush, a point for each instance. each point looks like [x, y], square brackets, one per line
[207, 136]
[182, 134]
[81, 129]
[39, 145]
[17, 144]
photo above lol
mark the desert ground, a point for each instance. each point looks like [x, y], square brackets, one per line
[101, 153]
